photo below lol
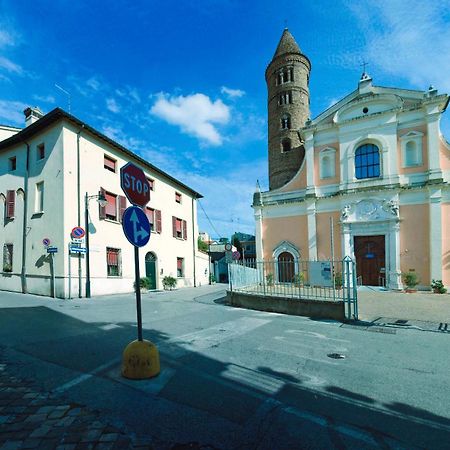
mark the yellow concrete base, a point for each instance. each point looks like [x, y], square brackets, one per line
[140, 360]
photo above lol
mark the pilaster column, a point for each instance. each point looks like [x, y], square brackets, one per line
[394, 273]
[434, 166]
[347, 241]
[309, 150]
[312, 235]
[435, 218]
[259, 233]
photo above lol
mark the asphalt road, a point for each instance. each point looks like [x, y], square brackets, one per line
[233, 378]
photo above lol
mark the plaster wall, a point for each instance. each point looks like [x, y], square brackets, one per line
[446, 244]
[298, 181]
[415, 241]
[323, 236]
[330, 180]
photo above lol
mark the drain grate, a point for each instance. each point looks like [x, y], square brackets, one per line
[401, 322]
[443, 326]
[336, 355]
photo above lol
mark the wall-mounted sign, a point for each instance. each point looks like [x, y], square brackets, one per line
[46, 242]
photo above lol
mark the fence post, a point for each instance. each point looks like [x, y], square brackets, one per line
[347, 286]
[230, 282]
[355, 292]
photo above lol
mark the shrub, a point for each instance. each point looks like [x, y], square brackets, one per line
[212, 278]
[269, 279]
[338, 281]
[438, 287]
[299, 278]
[169, 282]
[410, 279]
[144, 283]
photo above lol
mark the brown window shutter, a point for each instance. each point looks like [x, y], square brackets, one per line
[158, 221]
[10, 204]
[102, 209]
[174, 226]
[122, 206]
[184, 230]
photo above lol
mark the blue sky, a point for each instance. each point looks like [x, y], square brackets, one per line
[182, 82]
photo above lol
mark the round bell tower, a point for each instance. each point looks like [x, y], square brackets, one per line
[287, 78]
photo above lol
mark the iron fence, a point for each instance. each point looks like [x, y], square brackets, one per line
[333, 281]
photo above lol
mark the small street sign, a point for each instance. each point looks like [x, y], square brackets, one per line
[77, 232]
[136, 226]
[135, 185]
[52, 250]
[77, 241]
[46, 242]
[236, 255]
[78, 249]
[228, 247]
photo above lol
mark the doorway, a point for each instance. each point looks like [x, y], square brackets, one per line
[370, 260]
[286, 267]
[150, 268]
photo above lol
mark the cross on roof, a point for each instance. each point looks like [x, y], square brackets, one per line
[363, 65]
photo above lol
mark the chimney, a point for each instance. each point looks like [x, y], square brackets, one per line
[32, 115]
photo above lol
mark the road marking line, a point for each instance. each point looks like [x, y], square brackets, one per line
[86, 376]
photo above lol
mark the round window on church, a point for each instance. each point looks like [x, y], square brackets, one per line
[365, 110]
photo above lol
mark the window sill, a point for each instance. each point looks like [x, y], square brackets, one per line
[113, 276]
[37, 215]
[111, 221]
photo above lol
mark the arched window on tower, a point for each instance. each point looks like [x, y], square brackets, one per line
[286, 145]
[367, 161]
[285, 98]
[286, 122]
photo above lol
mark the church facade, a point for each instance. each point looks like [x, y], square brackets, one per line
[373, 170]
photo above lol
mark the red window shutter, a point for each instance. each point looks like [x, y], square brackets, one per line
[174, 226]
[109, 164]
[150, 213]
[10, 204]
[180, 263]
[158, 221]
[111, 206]
[184, 230]
[122, 206]
[102, 209]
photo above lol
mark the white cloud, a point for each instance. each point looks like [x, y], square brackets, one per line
[407, 39]
[6, 38]
[112, 105]
[45, 98]
[195, 114]
[93, 83]
[233, 93]
[10, 66]
[12, 112]
[130, 93]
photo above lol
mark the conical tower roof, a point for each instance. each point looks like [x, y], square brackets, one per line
[287, 44]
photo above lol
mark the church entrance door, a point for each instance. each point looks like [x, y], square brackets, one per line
[286, 267]
[370, 260]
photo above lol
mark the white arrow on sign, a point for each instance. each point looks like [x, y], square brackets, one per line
[138, 234]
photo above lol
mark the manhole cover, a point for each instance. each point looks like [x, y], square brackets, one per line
[336, 355]
[401, 322]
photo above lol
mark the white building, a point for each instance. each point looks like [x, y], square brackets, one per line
[46, 170]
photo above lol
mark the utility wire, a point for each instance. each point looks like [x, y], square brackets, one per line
[209, 220]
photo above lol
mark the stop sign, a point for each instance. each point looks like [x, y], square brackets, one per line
[135, 185]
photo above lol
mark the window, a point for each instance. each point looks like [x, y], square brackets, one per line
[180, 267]
[40, 152]
[411, 154]
[367, 161]
[154, 217]
[327, 161]
[285, 98]
[111, 206]
[10, 204]
[286, 122]
[285, 75]
[179, 228]
[151, 183]
[113, 262]
[39, 199]
[286, 145]
[109, 163]
[7, 258]
[177, 197]
[114, 208]
[12, 163]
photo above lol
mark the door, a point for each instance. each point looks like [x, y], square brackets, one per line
[286, 268]
[150, 268]
[370, 259]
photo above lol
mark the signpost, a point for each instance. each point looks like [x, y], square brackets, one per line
[236, 255]
[78, 233]
[141, 357]
[46, 242]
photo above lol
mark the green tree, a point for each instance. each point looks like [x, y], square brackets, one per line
[203, 246]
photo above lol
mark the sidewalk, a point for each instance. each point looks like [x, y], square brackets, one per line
[418, 306]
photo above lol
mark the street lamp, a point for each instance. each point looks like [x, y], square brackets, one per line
[101, 199]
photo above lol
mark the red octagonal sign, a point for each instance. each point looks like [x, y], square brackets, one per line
[135, 184]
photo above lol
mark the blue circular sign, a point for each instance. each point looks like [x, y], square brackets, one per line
[78, 232]
[136, 226]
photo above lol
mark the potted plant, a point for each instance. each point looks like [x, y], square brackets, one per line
[298, 279]
[269, 279]
[438, 287]
[338, 280]
[144, 284]
[411, 280]
[212, 278]
[169, 282]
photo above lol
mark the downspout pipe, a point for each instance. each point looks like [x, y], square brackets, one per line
[80, 284]
[23, 272]
[193, 242]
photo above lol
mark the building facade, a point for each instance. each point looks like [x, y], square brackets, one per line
[373, 171]
[46, 171]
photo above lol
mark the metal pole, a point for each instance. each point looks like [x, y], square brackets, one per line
[332, 256]
[88, 264]
[209, 259]
[138, 292]
[53, 275]
[70, 274]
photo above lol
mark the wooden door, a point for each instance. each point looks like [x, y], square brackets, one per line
[286, 268]
[370, 259]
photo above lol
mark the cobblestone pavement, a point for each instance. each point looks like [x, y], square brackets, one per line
[33, 420]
